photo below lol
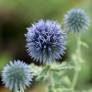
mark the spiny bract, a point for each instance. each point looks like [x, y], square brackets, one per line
[76, 20]
[45, 41]
[16, 76]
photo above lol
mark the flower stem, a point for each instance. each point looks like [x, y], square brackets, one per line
[77, 66]
[75, 79]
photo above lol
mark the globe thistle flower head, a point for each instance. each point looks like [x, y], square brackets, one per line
[45, 41]
[16, 76]
[76, 20]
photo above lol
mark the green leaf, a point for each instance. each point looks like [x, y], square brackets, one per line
[35, 69]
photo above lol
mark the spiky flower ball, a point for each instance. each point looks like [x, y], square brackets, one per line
[16, 76]
[76, 20]
[45, 41]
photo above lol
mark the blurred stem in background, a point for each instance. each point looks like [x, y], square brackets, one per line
[78, 60]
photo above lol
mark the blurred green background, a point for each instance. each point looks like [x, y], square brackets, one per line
[17, 15]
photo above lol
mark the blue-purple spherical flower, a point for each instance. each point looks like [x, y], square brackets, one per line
[45, 41]
[76, 20]
[16, 76]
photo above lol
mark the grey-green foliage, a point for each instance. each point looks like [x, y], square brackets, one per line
[64, 77]
[56, 75]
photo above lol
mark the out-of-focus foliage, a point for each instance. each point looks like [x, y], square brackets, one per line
[3, 60]
[16, 15]
[32, 9]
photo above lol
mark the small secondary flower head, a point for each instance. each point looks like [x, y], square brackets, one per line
[45, 41]
[76, 20]
[16, 76]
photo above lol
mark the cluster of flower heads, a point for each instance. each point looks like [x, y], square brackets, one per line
[17, 76]
[45, 43]
[76, 20]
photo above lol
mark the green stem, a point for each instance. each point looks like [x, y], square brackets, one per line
[75, 79]
[77, 66]
[51, 85]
